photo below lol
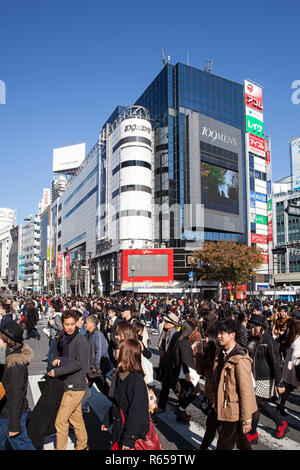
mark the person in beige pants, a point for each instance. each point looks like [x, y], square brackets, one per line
[72, 363]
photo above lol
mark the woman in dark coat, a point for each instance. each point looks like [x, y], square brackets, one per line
[266, 369]
[129, 394]
[32, 318]
[14, 409]
[184, 358]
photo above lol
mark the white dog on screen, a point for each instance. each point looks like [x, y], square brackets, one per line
[230, 180]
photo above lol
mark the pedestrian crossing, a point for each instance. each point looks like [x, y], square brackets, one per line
[192, 433]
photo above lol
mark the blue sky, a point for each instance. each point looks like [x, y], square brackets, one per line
[67, 64]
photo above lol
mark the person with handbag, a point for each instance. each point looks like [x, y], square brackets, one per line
[15, 356]
[267, 374]
[99, 363]
[129, 415]
[291, 367]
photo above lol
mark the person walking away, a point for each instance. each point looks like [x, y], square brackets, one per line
[111, 330]
[234, 398]
[243, 335]
[55, 327]
[292, 359]
[267, 375]
[32, 318]
[15, 359]
[281, 329]
[72, 365]
[129, 395]
[7, 315]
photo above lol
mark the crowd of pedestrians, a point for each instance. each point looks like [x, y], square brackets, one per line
[248, 354]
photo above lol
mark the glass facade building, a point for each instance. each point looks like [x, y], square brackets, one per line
[174, 94]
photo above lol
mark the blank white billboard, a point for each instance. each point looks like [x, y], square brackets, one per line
[68, 158]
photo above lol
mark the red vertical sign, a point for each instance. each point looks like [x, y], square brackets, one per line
[59, 265]
[68, 266]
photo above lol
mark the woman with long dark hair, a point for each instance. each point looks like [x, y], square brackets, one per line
[130, 398]
[292, 359]
[184, 359]
[207, 351]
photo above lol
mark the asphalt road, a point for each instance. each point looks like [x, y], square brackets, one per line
[174, 436]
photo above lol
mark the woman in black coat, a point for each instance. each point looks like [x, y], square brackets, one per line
[184, 359]
[32, 317]
[130, 398]
[266, 368]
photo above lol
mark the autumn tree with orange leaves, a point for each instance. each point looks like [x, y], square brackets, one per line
[227, 262]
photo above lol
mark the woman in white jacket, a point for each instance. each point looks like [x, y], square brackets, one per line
[291, 360]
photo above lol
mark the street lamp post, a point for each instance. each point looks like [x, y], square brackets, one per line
[132, 269]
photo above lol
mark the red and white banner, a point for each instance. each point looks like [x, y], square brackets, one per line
[59, 265]
[257, 238]
[68, 266]
[253, 96]
[256, 145]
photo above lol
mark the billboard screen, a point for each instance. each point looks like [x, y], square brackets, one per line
[68, 158]
[153, 265]
[220, 188]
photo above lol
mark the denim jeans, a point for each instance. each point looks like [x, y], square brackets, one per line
[52, 344]
[21, 441]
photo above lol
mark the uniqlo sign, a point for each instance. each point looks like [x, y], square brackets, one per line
[253, 96]
[256, 145]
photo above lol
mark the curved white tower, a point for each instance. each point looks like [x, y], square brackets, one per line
[131, 146]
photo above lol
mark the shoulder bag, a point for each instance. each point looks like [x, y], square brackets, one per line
[152, 441]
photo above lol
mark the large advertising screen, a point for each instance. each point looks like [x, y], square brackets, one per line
[154, 265]
[220, 188]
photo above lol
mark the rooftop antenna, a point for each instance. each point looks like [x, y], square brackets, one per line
[208, 66]
[164, 59]
[188, 57]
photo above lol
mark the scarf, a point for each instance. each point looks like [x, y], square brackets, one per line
[64, 343]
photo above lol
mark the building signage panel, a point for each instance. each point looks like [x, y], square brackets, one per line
[253, 96]
[261, 219]
[256, 145]
[254, 126]
[261, 197]
[68, 265]
[59, 265]
[256, 238]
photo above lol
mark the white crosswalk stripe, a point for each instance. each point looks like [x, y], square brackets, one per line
[192, 433]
